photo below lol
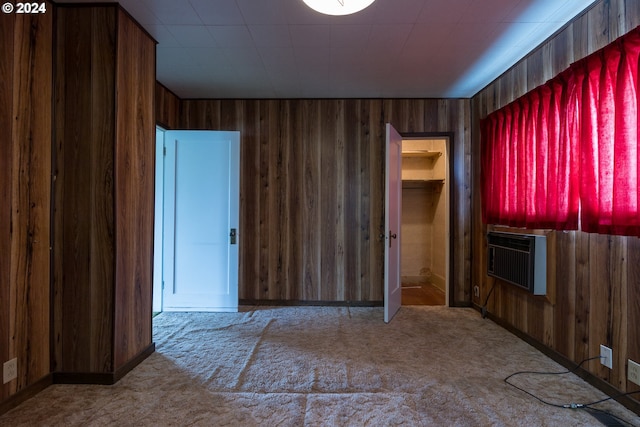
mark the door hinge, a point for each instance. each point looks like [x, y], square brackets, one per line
[163, 285]
[164, 151]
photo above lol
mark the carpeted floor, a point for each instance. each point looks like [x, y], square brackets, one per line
[326, 366]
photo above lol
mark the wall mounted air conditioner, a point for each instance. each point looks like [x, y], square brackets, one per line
[520, 259]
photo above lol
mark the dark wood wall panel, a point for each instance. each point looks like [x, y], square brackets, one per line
[104, 190]
[25, 169]
[84, 214]
[594, 286]
[134, 190]
[167, 107]
[312, 191]
[633, 307]
[7, 25]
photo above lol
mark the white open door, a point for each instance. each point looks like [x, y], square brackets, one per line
[392, 223]
[202, 175]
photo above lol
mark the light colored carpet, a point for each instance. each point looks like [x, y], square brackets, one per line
[325, 366]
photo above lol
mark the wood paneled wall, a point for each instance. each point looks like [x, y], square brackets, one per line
[104, 190]
[134, 183]
[167, 107]
[84, 214]
[594, 279]
[312, 194]
[25, 166]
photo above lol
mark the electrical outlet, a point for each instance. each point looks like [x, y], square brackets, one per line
[633, 372]
[10, 370]
[606, 356]
[476, 291]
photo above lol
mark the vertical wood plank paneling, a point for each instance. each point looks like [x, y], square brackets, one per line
[83, 220]
[7, 27]
[562, 52]
[565, 306]
[265, 242]
[633, 305]
[134, 190]
[583, 298]
[353, 202]
[312, 203]
[430, 115]
[580, 31]
[293, 178]
[599, 25]
[312, 191]
[104, 190]
[373, 180]
[98, 171]
[249, 233]
[328, 219]
[30, 200]
[600, 295]
[629, 14]
[619, 309]
[167, 107]
[534, 72]
[276, 229]
[478, 229]
[547, 303]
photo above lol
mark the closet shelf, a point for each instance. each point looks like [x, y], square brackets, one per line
[421, 183]
[421, 153]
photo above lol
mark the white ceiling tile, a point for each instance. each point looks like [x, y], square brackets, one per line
[140, 12]
[488, 11]
[447, 12]
[310, 35]
[173, 12]
[261, 12]
[389, 37]
[191, 35]
[247, 56]
[207, 57]
[270, 35]
[218, 12]
[350, 35]
[398, 11]
[162, 35]
[232, 36]
[426, 38]
[278, 58]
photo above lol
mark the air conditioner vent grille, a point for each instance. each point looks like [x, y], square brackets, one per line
[520, 259]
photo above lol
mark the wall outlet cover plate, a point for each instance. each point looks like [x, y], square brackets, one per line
[606, 356]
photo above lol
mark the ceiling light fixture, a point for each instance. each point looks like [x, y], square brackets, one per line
[338, 7]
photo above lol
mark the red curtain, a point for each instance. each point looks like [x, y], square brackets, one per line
[569, 145]
[529, 161]
[607, 82]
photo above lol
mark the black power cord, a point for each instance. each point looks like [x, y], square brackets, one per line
[483, 309]
[585, 406]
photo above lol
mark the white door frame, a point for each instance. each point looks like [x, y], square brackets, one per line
[158, 222]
